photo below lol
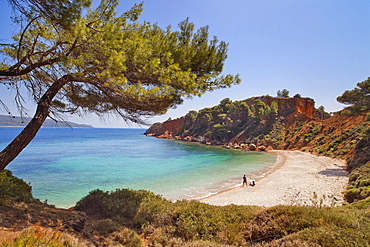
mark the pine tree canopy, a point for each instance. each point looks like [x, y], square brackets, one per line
[358, 97]
[75, 59]
[111, 63]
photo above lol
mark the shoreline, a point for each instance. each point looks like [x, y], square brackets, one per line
[256, 176]
[296, 178]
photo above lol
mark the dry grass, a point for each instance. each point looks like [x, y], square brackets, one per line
[40, 236]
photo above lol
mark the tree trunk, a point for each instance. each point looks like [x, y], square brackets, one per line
[30, 131]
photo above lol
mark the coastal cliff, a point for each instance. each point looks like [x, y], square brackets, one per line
[260, 123]
[237, 121]
[286, 106]
[170, 126]
[295, 108]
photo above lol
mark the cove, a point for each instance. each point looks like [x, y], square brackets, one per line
[63, 164]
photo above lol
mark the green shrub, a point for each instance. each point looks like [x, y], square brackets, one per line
[308, 137]
[363, 204]
[165, 222]
[280, 221]
[352, 194]
[321, 150]
[359, 184]
[336, 236]
[106, 227]
[124, 206]
[320, 140]
[13, 189]
[192, 220]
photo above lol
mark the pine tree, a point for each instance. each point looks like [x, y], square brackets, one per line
[104, 63]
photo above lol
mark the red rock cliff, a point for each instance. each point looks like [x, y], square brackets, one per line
[288, 106]
[171, 126]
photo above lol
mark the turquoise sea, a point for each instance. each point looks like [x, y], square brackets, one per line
[63, 164]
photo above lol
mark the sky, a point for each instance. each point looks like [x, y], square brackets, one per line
[317, 48]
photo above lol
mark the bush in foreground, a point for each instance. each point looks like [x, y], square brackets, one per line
[13, 189]
[191, 223]
[284, 225]
[359, 184]
[131, 218]
[123, 206]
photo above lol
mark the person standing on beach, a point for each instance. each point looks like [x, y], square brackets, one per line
[244, 181]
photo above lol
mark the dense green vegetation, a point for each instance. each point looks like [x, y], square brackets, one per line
[359, 184]
[13, 189]
[229, 119]
[170, 224]
[198, 224]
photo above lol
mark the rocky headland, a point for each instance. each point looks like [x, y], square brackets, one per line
[245, 124]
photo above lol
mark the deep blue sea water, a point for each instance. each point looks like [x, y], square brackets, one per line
[64, 164]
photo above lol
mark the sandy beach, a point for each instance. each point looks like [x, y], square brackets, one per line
[297, 178]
